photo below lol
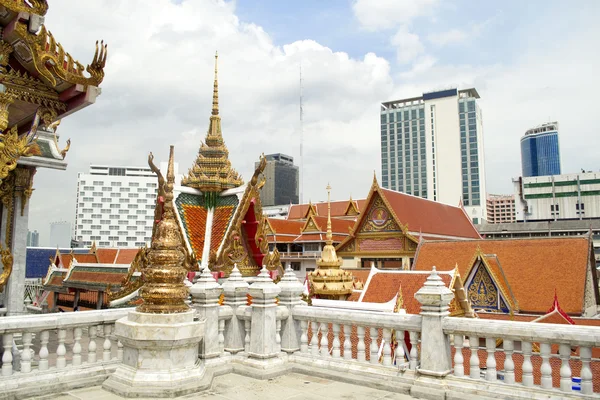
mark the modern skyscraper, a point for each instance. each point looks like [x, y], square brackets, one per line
[540, 152]
[60, 234]
[33, 239]
[420, 142]
[500, 208]
[115, 206]
[282, 179]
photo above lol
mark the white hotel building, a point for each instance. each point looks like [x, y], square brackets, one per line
[115, 206]
[432, 147]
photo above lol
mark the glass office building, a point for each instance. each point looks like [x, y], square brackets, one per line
[540, 152]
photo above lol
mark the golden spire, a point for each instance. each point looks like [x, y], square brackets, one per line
[329, 234]
[212, 170]
[164, 290]
[215, 104]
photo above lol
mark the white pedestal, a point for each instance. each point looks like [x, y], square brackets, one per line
[160, 355]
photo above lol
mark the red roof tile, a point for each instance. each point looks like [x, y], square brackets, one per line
[338, 209]
[426, 216]
[86, 258]
[126, 256]
[284, 226]
[106, 256]
[534, 268]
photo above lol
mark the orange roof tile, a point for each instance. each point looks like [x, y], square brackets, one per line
[66, 260]
[286, 227]
[86, 258]
[534, 268]
[126, 256]
[426, 216]
[337, 225]
[354, 296]
[338, 209]
[311, 237]
[222, 217]
[106, 256]
[195, 221]
[360, 275]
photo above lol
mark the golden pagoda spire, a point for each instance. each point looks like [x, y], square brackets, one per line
[329, 234]
[164, 290]
[212, 172]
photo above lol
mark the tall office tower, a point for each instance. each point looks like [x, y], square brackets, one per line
[60, 234]
[33, 239]
[432, 147]
[282, 179]
[540, 152]
[115, 206]
[500, 208]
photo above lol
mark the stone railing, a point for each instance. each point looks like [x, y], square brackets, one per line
[524, 355]
[58, 350]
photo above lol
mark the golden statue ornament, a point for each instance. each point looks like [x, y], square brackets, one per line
[163, 291]
[7, 263]
[13, 147]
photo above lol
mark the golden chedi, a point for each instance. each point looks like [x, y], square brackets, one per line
[329, 281]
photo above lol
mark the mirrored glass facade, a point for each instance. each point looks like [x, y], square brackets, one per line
[540, 154]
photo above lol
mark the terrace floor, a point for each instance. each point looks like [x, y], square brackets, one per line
[236, 387]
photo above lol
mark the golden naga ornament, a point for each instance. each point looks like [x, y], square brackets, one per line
[38, 7]
[163, 290]
[7, 263]
[51, 60]
[13, 147]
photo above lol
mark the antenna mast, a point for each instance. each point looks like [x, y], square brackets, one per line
[301, 141]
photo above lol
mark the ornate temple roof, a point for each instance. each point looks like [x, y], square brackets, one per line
[339, 209]
[212, 171]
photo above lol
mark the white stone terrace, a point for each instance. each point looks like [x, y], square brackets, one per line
[283, 343]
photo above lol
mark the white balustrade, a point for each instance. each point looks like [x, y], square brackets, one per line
[314, 341]
[414, 355]
[304, 337]
[360, 347]
[459, 367]
[221, 335]
[374, 357]
[474, 359]
[399, 354]
[7, 357]
[387, 347]
[335, 348]
[545, 351]
[490, 373]
[61, 350]
[347, 342]
[526, 348]
[44, 338]
[509, 364]
[107, 345]
[26, 355]
[92, 332]
[587, 387]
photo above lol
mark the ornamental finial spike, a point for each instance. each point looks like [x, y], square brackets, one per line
[215, 103]
[329, 233]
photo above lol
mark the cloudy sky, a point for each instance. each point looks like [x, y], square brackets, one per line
[530, 61]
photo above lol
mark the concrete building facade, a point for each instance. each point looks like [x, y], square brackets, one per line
[432, 147]
[500, 208]
[60, 234]
[540, 151]
[558, 197]
[282, 179]
[33, 239]
[115, 206]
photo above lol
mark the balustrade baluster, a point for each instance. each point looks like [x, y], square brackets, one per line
[277, 333]
[119, 350]
[247, 337]
[360, 346]
[7, 357]
[77, 332]
[474, 359]
[26, 354]
[490, 373]
[92, 331]
[44, 337]
[323, 329]
[61, 350]
[314, 340]
[304, 337]
[387, 347]
[527, 365]
[374, 357]
[545, 350]
[335, 347]
[459, 367]
[565, 369]
[107, 346]
[587, 387]
[509, 364]
[399, 354]
[347, 342]
[221, 335]
[414, 352]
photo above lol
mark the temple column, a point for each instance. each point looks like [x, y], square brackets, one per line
[236, 291]
[205, 300]
[263, 329]
[100, 300]
[290, 296]
[55, 300]
[76, 299]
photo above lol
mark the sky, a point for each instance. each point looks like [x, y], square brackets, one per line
[531, 62]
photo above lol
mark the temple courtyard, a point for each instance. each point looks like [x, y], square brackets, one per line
[234, 387]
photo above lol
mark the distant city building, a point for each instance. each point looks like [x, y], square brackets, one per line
[60, 234]
[115, 206]
[500, 208]
[33, 239]
[558, 197]
[420, 142]
[540, 152]
[282, 180]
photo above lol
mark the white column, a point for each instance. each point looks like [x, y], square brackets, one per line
[15, 289]
[236, 291]
[459, 368]
[205, 300]
[263, 343]
[290, 297]
[509, 364]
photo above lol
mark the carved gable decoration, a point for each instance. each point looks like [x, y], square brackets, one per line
[351, 209]
[311, 225]
[482, 291]
[378, 218]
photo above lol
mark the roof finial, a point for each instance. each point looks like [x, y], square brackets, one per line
[329, 234]
[215, 104]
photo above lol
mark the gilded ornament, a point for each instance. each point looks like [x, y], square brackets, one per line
[13, 147]
[5, 50]
[163, 290]
[128, 285]
[52, 62]
[7, 263]
[6, 99]
[482, 292]
[24, 185]
[38, 7]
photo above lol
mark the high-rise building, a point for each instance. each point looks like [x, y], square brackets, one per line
[540, 152]
[60, 234]
[115, 206]
[282, 179]
[500, 208]
[33, 239]
[432, 147]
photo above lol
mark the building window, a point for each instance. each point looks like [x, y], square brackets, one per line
[115, 184]
[296, 265]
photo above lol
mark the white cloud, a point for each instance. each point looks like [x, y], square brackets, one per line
[377, 15]
[408, 45]
[453, 36]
